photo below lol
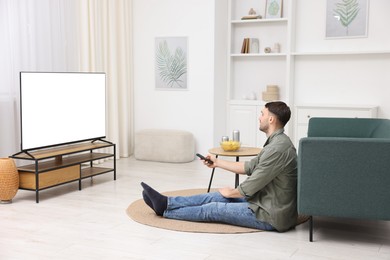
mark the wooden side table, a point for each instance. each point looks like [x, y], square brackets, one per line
[242, 152]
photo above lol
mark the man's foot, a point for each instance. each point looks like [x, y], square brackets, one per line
[154, 199]
[147, 200]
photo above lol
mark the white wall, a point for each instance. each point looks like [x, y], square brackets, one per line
[191, 109]
[319, 79]
[220, 71]
[362, 79]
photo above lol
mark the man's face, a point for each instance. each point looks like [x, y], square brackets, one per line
[264, 120]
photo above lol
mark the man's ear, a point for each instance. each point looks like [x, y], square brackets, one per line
[271, 118]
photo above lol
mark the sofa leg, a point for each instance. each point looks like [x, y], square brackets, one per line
[311, 228]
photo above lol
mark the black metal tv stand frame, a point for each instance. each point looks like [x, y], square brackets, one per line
[63, 164]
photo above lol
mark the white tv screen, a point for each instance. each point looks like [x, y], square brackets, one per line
[61, 107]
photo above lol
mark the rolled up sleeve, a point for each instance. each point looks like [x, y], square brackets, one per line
[261, 171]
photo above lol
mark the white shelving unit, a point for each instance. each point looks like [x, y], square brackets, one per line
[250, 73]
[309, 69]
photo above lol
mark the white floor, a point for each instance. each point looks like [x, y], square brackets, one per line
[92, 224]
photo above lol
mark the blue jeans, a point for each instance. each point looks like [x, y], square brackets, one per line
[213, 207]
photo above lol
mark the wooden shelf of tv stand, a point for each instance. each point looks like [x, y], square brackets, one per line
[57, 163]
[60, 165]
[60, 151]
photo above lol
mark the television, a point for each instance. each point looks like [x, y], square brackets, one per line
[60, 108]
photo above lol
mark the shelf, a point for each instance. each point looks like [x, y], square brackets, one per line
[52, 152]
[93, 171]
[336, 106]
[67, 161]
[308, 54]
[276, 20]
[258, 55]
[340, 53]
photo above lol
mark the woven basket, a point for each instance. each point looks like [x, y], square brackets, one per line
[9, 180]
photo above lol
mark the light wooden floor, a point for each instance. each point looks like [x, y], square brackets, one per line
[92, 224]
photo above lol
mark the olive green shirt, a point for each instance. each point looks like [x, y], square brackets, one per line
[271, 186]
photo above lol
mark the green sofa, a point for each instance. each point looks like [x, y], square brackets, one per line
[344, 169]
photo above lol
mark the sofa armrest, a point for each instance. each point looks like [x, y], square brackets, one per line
[344, 177]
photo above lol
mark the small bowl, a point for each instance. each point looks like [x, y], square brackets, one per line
[230, 146]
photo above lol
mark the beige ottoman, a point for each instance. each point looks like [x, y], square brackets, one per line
[164, 145]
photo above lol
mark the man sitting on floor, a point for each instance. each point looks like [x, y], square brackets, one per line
[266, 200]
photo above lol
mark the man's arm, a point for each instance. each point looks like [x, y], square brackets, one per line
[230, 193]
[236, 167]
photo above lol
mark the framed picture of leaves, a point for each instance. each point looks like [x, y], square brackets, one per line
[171, 63]
[274, 9]
[346, 18]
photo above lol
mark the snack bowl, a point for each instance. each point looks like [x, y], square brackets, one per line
[230, 146]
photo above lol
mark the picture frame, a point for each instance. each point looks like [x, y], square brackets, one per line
[254, 45]
[346, 19]
[273, 9]
[171, 56]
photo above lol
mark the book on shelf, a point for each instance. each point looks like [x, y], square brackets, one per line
[250, 45]
[243, 45]
[247, 45]
[251, 17]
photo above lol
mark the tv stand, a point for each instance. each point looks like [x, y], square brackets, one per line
[63, 164]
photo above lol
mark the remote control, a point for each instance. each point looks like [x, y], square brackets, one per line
[204, 158]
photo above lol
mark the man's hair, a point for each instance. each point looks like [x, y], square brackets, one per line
[281, 110]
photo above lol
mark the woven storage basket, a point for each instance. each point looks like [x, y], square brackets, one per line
[9, 180]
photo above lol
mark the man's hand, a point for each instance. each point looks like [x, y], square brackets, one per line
[211, 158]
[228, 192]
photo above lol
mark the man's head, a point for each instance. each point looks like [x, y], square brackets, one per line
[274, 115]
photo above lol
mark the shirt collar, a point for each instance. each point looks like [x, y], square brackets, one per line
[277, 132]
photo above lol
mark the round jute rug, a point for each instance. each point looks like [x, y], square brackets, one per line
[141, 213]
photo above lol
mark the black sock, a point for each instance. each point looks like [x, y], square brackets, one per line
[159, 202]
[147, 200]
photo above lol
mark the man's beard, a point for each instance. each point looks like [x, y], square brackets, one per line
[263, 129]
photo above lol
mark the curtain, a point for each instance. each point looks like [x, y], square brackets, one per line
[106, 46]
[8, 93]
[34, 37]
[66, 35]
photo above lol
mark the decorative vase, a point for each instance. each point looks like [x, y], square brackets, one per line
[9, 180]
